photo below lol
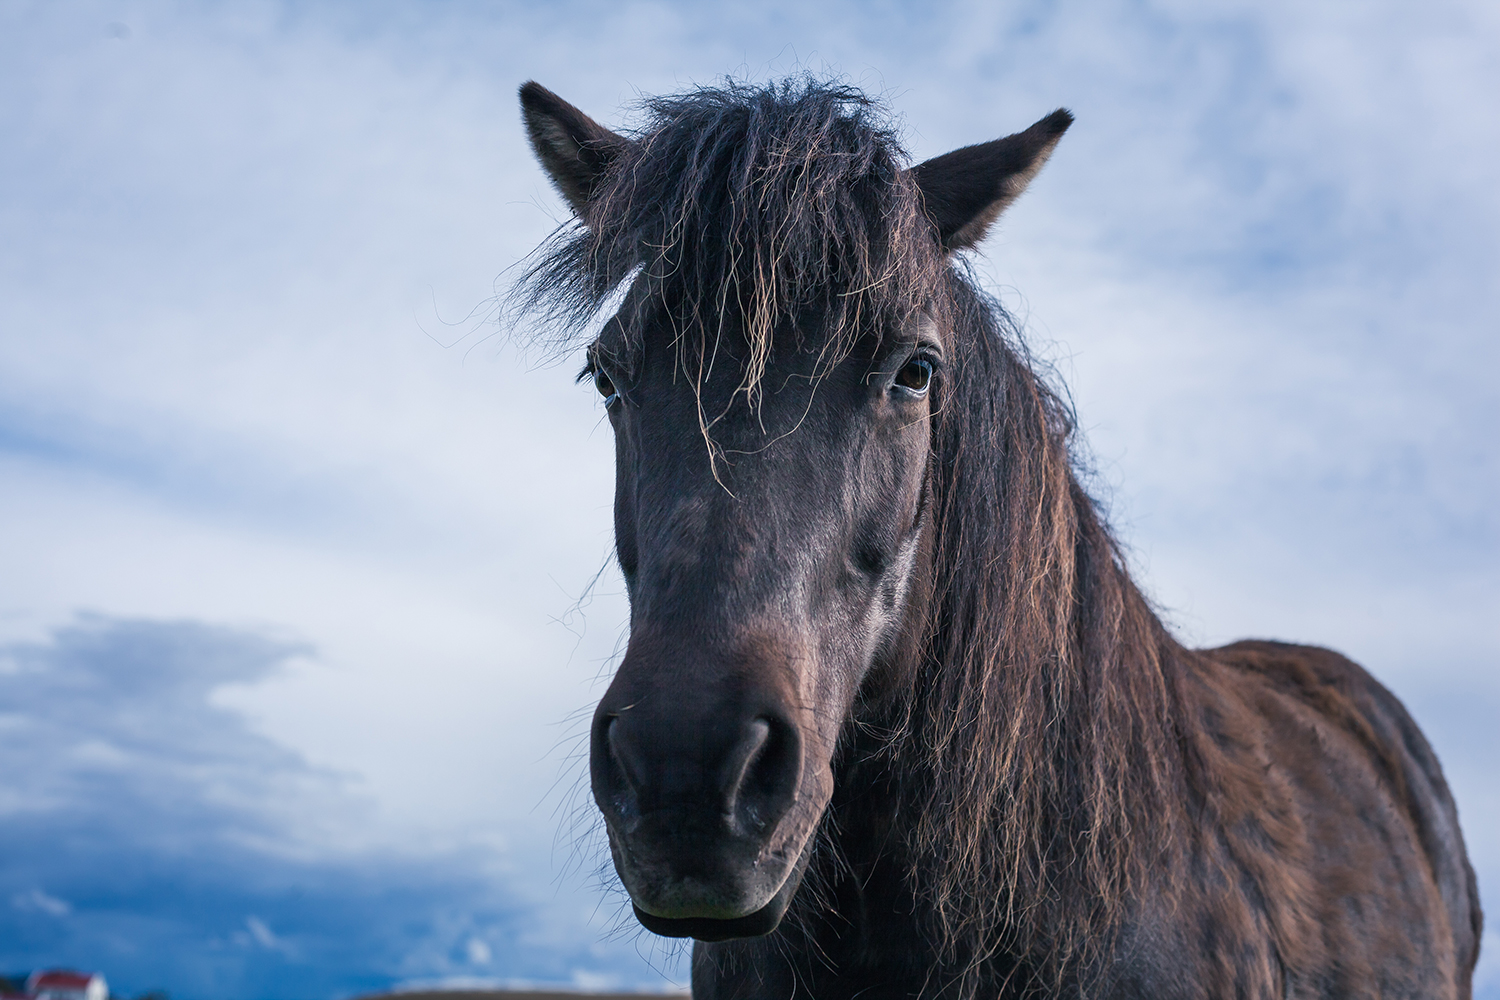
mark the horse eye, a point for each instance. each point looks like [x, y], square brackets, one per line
[915, 377]
[605, 386]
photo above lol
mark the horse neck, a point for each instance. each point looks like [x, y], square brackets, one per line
[1025, 768]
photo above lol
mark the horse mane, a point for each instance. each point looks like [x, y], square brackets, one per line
[1042, 716]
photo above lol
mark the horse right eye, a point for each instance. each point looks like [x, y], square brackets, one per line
[605, 386]
[915, 377]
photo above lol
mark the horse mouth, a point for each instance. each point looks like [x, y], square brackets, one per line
[763, 921]
[757, 924]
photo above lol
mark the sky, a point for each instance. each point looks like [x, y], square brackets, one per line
[306, 592]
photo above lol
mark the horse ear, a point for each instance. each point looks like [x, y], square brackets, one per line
[966, 190]
[574, 149]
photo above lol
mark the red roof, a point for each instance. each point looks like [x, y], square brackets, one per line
[60, 978]
[66, 983]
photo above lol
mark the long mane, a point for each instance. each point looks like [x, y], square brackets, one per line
[1045, 715]
[1041, 725]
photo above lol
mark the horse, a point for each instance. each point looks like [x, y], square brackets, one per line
[893, 719]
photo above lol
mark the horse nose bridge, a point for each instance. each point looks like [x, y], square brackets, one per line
[724, 558]
[687, 527]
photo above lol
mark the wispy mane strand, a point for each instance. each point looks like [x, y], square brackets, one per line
[1044, 713]
[744, 205]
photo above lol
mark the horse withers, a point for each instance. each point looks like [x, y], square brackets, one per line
[893, 719]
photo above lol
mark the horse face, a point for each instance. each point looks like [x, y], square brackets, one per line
[768, 558]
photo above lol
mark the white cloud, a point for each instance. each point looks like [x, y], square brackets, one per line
[479, 953]
[261, 935]
[35, 900]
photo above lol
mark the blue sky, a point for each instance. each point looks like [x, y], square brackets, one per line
[297, 621]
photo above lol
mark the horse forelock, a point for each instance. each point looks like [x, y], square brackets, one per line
[736, 211]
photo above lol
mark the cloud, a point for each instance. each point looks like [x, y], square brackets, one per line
[144, 832]
[479, 952]
[37, 901]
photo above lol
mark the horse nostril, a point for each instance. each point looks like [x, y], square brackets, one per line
[770, 768]
[615, 786]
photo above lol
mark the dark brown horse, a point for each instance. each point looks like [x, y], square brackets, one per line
[893, 720]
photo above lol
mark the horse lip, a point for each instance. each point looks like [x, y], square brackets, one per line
[755, 924]
[694, 898]
[763, 921]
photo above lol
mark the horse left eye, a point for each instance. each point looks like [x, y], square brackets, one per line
[915, 377]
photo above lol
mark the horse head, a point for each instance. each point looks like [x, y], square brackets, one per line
[773, 377]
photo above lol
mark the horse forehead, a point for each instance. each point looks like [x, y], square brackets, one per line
[718, 355]
[722, 346]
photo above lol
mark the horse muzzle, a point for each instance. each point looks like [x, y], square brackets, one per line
[712, 889]
[710, 803]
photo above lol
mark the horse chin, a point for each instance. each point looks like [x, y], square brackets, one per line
[756, 924]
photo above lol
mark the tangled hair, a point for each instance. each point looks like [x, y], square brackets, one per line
[1044, 719]
[747, 206]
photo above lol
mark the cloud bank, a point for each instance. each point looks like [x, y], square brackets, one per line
[148, 832]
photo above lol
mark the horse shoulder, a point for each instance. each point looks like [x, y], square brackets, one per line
[1333, 809]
